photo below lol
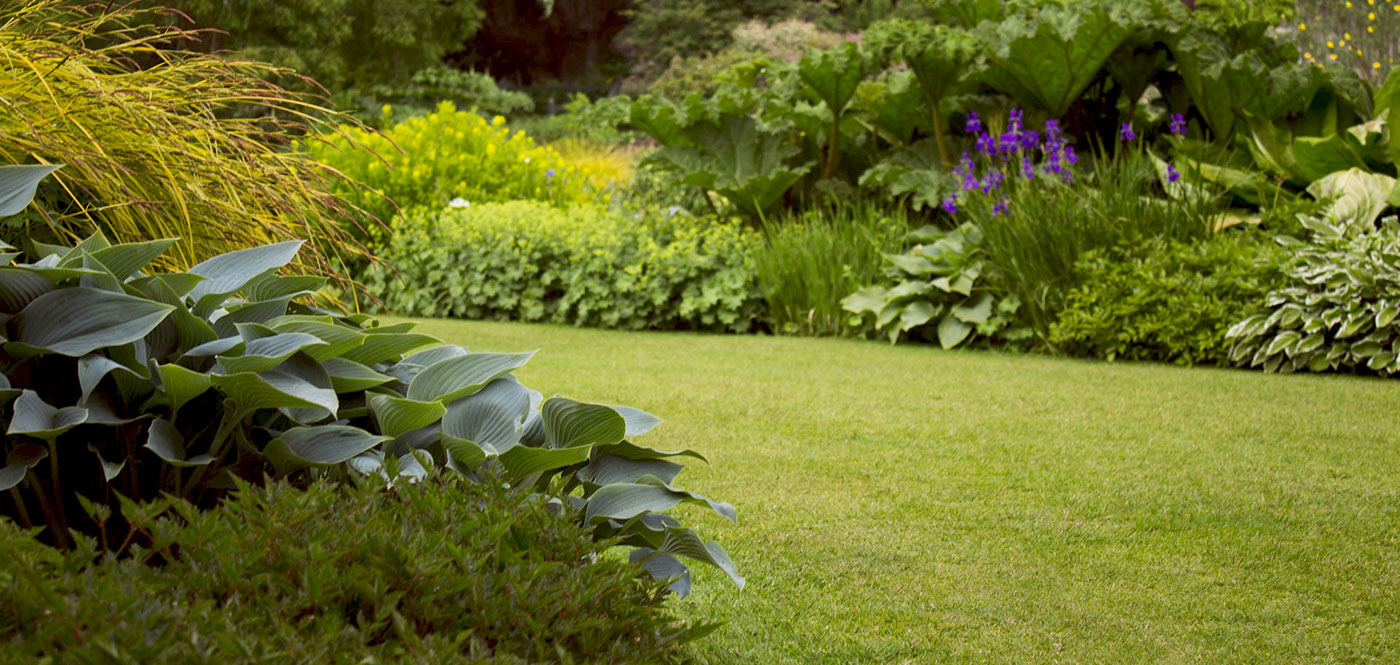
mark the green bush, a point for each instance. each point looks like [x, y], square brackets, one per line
[1338, 310]
[528, 261]
[441, 571]
[429, 87]
[117, 385]
[450, 154]
[1166, 300]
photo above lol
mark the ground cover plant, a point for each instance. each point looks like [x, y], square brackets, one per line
[439, 571]
[585, 265]
[981, 507]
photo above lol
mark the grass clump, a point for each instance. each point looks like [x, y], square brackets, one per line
[444, 571]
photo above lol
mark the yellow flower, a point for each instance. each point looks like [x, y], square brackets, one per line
[1370, 29]
[1329, 44]
[386, 110]
[498, 121]
[1302, 26]
[1375, 65]
[1348, 3]
[1308, 56]
[1370, 2]
[1333, 56]
[1371, 16]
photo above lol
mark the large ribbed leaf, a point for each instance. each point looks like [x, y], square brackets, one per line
[247, 313]
[639, 422]
[181, 385]
[19, 287]
[276, 389]
[568, 423]
[127, 258]
[265, 353]
[167, 443]
[622, 501]
[685, 542]
[221, 346]
[523, 461]
[397, 415]
[609, 469]
[663, 567]
[37, 418]
[228, 273]
[493, 417]
[78, 321]
[631, 451]
[339, 339]
[17, 185]
[348, 376]
[110, 469]
[435, 355]
[91, 370]
[18, 463]
[381, 347]
[455, 378]
[320, 446]
[466, 454]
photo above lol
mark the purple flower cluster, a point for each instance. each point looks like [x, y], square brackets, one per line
[1016, 151]
[1178, 124]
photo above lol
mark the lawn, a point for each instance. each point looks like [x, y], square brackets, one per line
[911, 505]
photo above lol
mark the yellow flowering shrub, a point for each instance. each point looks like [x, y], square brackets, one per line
[452, 155]
[584, 265]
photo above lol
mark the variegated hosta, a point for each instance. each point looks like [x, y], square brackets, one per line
[1341, 310]
[120, 382]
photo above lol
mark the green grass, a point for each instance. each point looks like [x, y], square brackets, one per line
[909, 505]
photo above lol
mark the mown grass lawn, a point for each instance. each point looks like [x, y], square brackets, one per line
[910, 505]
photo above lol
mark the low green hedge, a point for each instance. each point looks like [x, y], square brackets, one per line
[443, 571]
[1167, 300]
[529, 261]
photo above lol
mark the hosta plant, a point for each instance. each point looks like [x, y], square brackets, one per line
[1339, 311]
[118, 383]
[941, 287]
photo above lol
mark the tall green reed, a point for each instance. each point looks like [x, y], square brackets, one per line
[810, 261]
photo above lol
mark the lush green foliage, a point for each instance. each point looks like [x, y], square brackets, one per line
[450, 154]
[429, 87]
[1339, 308]
[940, 279]
[340, 43]
[583, 118]
[137, 122]
[442, 571]
[584, 265]
[809, 262]
[185, 381]
[663, 30]
[1166, 300]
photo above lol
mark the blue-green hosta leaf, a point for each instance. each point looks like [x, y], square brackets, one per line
[101, 277]
[37, 418]
[952, 332]
[350, 377]
[1357, 195]
[568, 423]
[338, 338]
[631, 451]
[685, 542]
[221, 346]
[243, 314]
[413, 466]
[18, 462]
[271, 286]
[609, 469]
[623, 501]
[397, 415]
[125, 259]
[168, 444]
[18, 183]
[265, 353]
[663, 567]
[110, 469]
[91, 370]
[227, 273]
[76, 322]
[382, 347]
[493, 418]
[181, 385]
[523, 461]
[435, 355]
[19, 287]
[324, 445]
[455, 378]
[869, 299]
[465, 454]
[975, 310]
[917, 313]
[371, 461]
[276, 389]
[639, 422]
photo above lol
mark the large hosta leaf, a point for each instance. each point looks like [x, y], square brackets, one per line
[623, 501]
[267, 352]
[37, 418]
[680, 541]
[455, 378]
[348, 376]
[1356, 195]
[523, 461]
[493, 417]
[19, 287]
[168, 444]
[397, 415]
[77, 321]
[568, 423]
[18, 462]
[299, 383]
[320, 446]
[229, 272]
[609, 469]
[18, 183]
[124, 259]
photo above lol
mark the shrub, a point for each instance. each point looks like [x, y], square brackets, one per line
[442, 571]
[528, 261]
[138, 123]
[429, 87]
[450, 154]
[585, 119]
[186, 381]
[1166, 300]
[700, 74]
[1338, 310]
[940, 279]
[809, 262]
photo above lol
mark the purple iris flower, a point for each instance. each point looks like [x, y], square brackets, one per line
[994, 180]
[1178, 124]
[969, 180]
[1070, 157]
[1126, 133]
[1015, 123]
[1002, 206]
[1052, 130]
[967, 165]
[1172, 174]
[1027, 169]
[1029, 140]
[950, 205]
[974, 123]
[986, 144]
[1009, 142]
